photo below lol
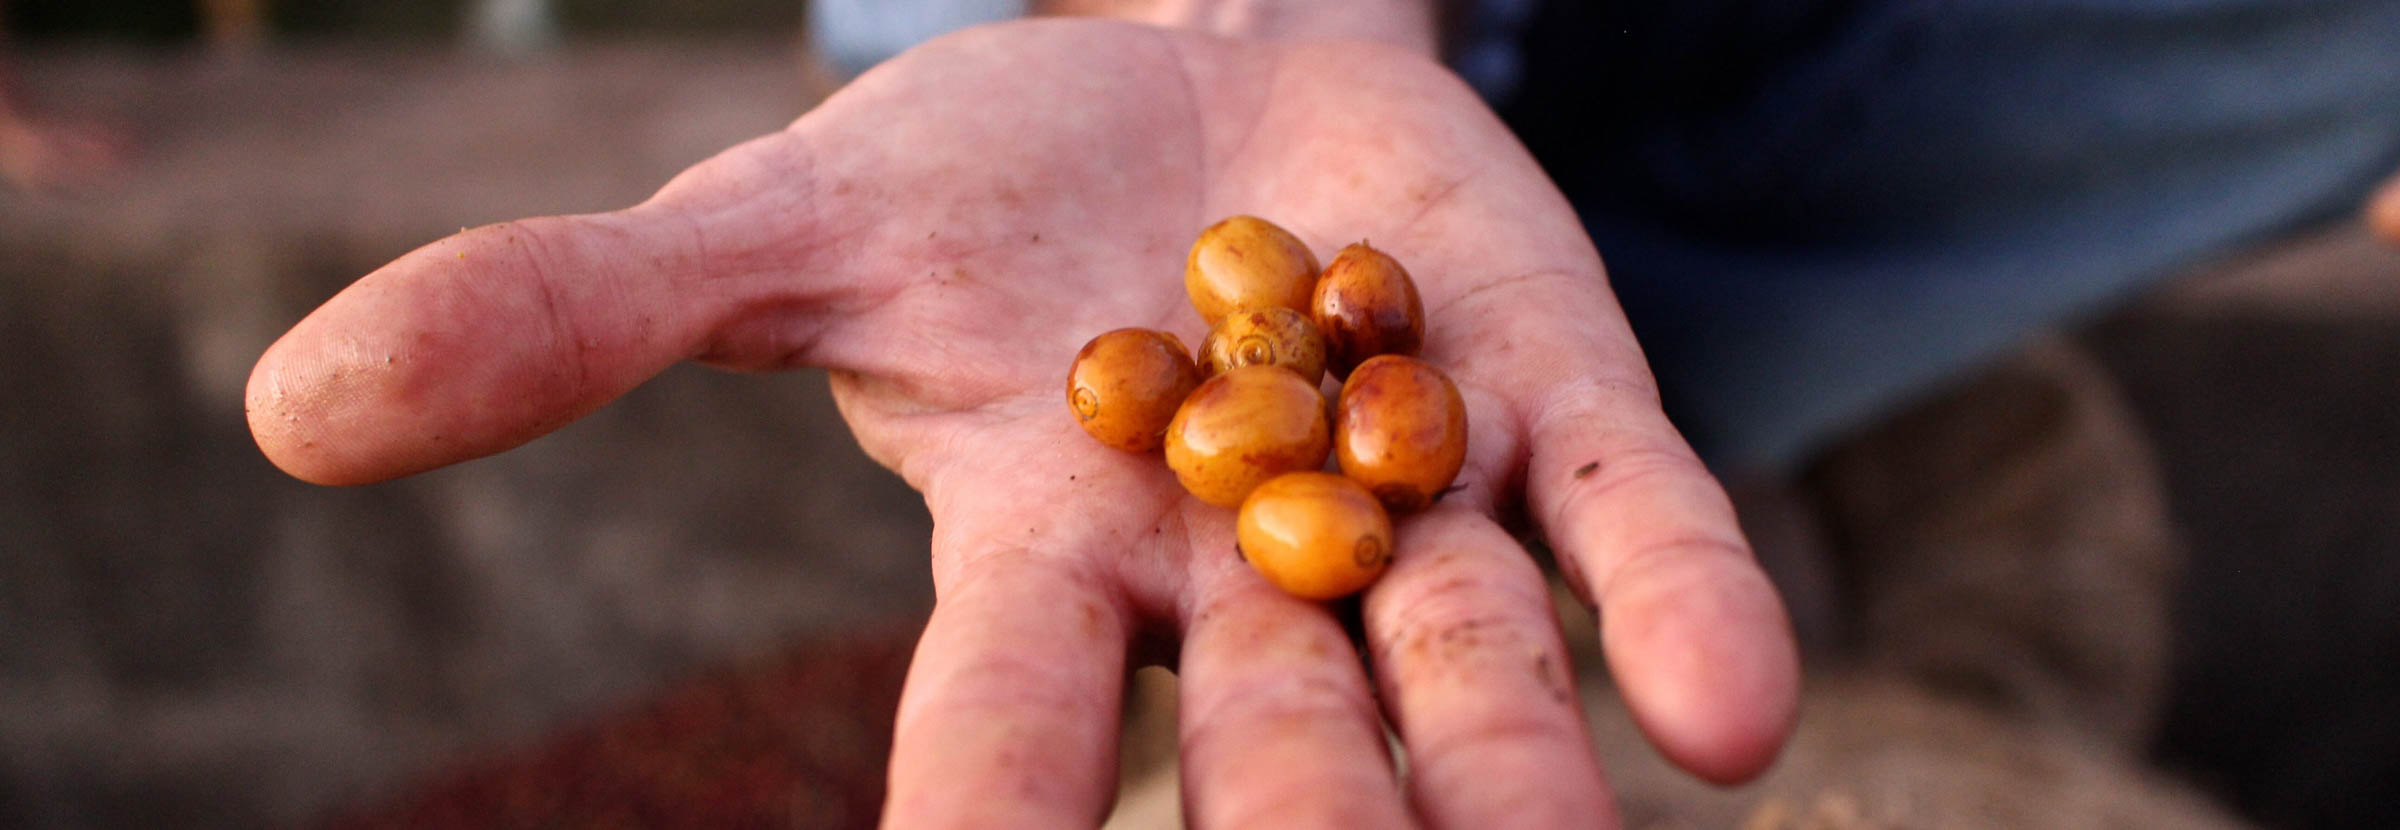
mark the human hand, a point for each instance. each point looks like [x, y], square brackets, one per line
[943, 235]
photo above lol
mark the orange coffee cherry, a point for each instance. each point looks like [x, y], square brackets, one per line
[1243, 427]
[1126, 385]
[1275, 336]
[1400, 430]
[1315, 535]
[1248, 262]
[1366, 305]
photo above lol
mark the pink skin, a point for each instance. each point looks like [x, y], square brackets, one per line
[943, 235]
[51, 156]
[2383, 211]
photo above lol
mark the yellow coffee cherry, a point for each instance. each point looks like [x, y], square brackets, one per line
[1248, 262]
[1126, 385]
[1400, 429]
[1270, 336]
[1315, 535]
[1245, 426]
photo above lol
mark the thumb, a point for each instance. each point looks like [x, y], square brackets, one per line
[495, 336]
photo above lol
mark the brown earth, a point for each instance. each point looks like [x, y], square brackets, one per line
[188, 637]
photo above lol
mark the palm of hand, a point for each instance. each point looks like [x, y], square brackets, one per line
[943, 235]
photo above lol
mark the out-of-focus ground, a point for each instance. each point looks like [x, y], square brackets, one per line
[2270, 383]
[188, 637]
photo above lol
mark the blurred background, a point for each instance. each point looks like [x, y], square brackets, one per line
[707, 580]
[695, 606]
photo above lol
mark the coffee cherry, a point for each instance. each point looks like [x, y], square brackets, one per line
[1243, 427]
[1126, 385]
[1366, 305]
[1315, 535]
[1400, 429]
[1265, 336]
[1247, 262]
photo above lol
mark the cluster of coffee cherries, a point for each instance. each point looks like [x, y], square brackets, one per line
[1247, 426]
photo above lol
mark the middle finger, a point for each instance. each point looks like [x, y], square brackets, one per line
[1478, 682]
[1279, 727]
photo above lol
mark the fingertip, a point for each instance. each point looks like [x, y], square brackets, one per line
[466, 347]
[312, 401]
[279, 429]
[1708, 666]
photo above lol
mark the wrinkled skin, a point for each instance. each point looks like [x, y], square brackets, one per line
[943, 235]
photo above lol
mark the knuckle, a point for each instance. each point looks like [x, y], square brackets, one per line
[1578, 402]
[1439, 617]
[1450, 641]
[1671, 561]
[1607, 473]
[1638, 465]
[1002, 687]
[1300, 702]
[1520, 729]
[1298, 803]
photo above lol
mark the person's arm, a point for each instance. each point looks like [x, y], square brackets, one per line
[1410, 24]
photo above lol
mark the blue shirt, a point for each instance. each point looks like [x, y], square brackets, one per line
[1814, 209]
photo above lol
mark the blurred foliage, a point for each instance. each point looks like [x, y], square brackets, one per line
[171, 20]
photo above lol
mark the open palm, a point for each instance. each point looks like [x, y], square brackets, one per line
[943, 234]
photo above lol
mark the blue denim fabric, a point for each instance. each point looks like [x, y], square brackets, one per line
[1814, 209]
[854, 35]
